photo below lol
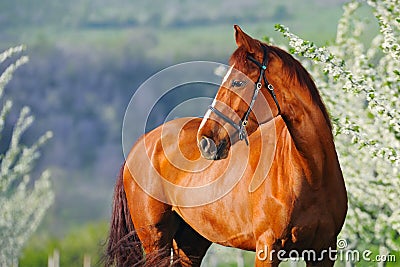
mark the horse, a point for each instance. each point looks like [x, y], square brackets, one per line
[258, 172]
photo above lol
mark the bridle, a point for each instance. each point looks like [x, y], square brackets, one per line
[241, 126]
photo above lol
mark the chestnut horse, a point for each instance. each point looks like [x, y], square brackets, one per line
[259, 172]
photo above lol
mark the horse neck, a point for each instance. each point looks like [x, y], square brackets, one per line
[309, 129]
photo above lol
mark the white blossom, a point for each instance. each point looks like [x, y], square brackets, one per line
[361, 87]
[23, 203]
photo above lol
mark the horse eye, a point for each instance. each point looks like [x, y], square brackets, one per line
[236, 83]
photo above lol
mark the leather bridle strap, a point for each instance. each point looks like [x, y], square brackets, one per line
[228, 120]
[241, 126]
[263, 67]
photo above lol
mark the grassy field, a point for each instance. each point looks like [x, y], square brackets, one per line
[193, 31]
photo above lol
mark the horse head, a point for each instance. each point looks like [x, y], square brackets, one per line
[244, 100]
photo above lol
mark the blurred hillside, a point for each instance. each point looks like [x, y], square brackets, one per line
[87, 57]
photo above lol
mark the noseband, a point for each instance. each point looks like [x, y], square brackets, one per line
[241, 126]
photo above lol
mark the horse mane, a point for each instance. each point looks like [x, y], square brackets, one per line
[292, 68]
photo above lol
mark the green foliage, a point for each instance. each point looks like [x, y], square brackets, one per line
[87, 240]
[173, 29]
[158, 13]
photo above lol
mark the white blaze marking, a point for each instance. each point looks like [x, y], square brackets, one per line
[205, 118]
[208, 113]
[227, 74]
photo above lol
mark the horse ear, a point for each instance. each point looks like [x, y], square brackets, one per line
[242, 39]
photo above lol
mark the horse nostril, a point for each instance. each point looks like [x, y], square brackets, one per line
[208, 148]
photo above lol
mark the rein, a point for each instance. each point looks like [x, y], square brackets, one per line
[241, 126]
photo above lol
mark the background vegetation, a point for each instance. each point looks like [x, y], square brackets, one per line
[88, 57]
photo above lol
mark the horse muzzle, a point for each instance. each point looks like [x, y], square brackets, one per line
[211, 151]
